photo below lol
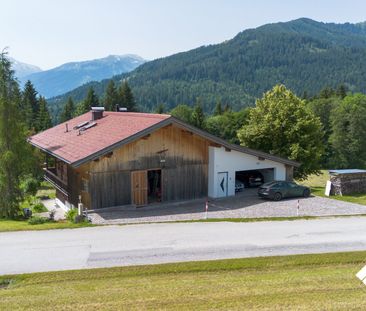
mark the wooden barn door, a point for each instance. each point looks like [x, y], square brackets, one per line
[139, 187]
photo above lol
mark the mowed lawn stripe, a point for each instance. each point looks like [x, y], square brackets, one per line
[303, 282]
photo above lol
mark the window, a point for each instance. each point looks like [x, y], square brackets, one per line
[277, 185]
[84, 185]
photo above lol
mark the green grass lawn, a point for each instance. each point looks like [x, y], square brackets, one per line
[317, 185]
[46, 190]
[303, 282]
[23, 225]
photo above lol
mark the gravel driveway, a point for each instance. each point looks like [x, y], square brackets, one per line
[243, 205]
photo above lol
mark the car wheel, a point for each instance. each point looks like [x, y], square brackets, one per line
[277, 196]
[306, 193]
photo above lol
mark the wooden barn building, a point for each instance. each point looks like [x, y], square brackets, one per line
[121, 158]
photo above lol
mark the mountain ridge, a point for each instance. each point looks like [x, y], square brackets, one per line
[23, 69]
[303, 54]
[68, 76]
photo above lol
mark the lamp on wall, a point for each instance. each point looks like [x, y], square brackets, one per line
[162, 156]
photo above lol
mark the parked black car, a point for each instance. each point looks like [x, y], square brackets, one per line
[250, 178]
[277, 190]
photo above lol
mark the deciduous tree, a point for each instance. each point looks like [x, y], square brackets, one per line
[227, 125]
[349, 132]
[322, 108]
[282, 124]
[183, 113]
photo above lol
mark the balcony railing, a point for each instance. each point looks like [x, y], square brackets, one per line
[57, 182]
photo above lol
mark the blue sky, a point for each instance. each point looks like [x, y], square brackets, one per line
[48, 33]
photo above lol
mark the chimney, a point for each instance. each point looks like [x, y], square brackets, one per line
[97, 113]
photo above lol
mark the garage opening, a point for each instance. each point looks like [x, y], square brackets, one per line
[154, 186]
[252, 178]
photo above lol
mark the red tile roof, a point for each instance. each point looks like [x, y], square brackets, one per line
[112, 128]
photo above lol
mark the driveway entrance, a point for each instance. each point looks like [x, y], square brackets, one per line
[244, 205]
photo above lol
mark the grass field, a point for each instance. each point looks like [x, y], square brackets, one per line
[23, 225]
[317, 185]
[303, 282]
[46, 191]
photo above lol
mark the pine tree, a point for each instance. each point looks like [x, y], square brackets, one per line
[91, 100]
[44, 118]
[30, 105]
[305, 95]
[126, 98]
[227, 108]
[111, 98]
[68, 111]
[218, 108]
[160, 108]
[198, 117]
[15, 153]
[341, 91]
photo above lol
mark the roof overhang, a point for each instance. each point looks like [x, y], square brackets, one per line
[172, 121]
[48, 151]
[238, 148]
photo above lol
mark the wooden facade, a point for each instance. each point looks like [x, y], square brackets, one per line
[180, 157]
[168, 161]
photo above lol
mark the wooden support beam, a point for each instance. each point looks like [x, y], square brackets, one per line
[162, 151]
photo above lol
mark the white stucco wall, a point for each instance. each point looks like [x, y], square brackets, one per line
[232, 161]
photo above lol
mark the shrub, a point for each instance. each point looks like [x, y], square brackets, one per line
[39, 208]
[80, 219]
[30, 186]
[71, 214]
[5, 283]
[36, 220]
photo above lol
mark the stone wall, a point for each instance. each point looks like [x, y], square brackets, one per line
[348, 183]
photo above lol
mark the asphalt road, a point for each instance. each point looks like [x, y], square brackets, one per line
[35, 251]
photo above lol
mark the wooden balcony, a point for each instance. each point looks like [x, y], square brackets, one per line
[57, 182]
